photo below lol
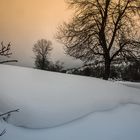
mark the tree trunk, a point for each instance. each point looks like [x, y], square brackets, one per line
[106, 69]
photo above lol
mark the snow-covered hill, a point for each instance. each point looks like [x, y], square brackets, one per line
[83, 107]
[130, 84]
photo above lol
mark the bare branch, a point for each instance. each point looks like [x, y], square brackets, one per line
[2, 62]
[3, 132]
[100, 22]
[9, 112]
[6, 51]
[4, 114]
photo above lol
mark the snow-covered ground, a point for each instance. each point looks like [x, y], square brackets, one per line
[130, 84]
[122, 123]
[68, 107]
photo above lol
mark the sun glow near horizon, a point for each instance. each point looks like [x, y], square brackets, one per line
[23, 22]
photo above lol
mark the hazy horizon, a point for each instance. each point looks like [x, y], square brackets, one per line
[24, 22]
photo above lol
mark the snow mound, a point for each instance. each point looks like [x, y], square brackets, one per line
[122, 123]
[48, 99]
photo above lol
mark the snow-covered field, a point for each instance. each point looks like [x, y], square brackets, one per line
[130, 84]
[68, 107]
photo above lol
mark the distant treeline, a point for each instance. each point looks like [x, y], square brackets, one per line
[125, 71]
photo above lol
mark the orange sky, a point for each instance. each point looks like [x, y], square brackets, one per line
[23, 22]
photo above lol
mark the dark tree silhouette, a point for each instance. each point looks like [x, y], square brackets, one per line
[57, 66]
[42, 50]
[101, 30]
[6, 51]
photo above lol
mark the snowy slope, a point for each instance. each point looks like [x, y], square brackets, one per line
[131, 84]
[122, 123]
[47, 99]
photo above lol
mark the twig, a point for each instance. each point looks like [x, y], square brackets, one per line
[7, 113]
[8, 61]
[17, 110]
[3, 132]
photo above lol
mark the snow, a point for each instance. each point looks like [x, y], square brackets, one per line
[122, 123]
[67, 106]
[130, 84]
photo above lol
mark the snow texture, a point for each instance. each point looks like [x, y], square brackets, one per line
[48, 99]
[130, 84]
[122, 123]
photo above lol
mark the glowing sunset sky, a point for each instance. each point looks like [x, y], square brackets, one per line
[23, 22]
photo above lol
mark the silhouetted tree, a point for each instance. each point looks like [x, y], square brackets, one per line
[101, 29]
[42, 50]
[6, 52]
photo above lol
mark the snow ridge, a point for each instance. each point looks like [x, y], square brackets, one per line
[48, 99]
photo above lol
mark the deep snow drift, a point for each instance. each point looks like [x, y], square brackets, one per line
[47, 99]
[122, 123]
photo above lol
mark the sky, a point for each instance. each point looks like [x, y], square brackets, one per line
[23, 22]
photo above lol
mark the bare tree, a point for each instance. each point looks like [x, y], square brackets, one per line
[101, 30]
[6, 51]
[42, 50]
